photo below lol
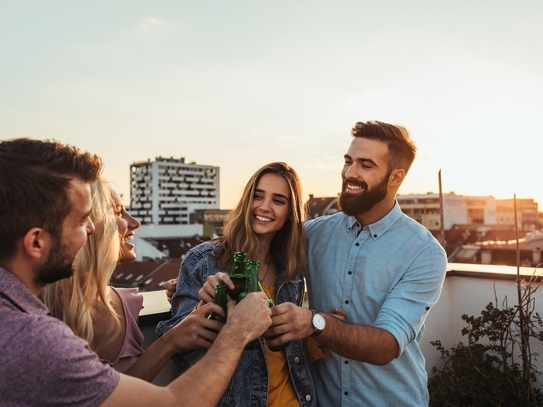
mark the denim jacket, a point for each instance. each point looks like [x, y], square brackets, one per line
[249, 385]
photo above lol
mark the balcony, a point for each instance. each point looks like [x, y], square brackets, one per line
[467, 290]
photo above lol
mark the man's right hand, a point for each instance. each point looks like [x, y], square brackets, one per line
[248, 319]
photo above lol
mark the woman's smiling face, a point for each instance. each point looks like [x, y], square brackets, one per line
[126, 225]
[271, 205]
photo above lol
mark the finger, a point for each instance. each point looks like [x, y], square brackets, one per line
[170, 285]
[225, 278]
[339, 313]
[207, 292]
[216, 308]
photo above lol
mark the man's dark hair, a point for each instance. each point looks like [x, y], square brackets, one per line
[34, 185]
[401, 147]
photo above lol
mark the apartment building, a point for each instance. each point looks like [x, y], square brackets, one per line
[425, 209]
[527, 213]
[167, 190]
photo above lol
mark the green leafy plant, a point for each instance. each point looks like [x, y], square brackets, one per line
[494, 367]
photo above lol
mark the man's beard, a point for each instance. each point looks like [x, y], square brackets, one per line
[58, 265]
[361, 202]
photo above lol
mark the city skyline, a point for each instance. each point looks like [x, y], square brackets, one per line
[239, 84]
[305, 198]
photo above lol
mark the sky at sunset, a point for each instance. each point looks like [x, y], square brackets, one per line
[237, 84]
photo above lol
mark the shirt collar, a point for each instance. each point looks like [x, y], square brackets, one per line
[382, 225]
[16, 292]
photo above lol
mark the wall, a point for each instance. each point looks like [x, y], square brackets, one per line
[467, 290]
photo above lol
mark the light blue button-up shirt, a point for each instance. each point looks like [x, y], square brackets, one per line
[387, 275]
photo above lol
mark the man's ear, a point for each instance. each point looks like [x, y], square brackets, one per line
[35, 242]
[397, 176]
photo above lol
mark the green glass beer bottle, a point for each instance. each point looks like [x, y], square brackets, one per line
[220, 299]
[238, 275]
[252, 285]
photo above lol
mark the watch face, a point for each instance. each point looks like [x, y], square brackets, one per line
[318, 322]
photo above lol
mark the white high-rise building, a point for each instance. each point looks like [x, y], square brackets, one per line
[166, 191]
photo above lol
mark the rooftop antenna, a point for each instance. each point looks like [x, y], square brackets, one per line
[441, 217]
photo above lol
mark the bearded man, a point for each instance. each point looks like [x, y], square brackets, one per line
[382, 267]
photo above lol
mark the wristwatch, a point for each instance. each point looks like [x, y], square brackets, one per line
[318, 322]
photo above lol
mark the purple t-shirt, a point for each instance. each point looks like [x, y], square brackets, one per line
[42, 363]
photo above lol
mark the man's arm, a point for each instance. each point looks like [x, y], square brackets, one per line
[403, 313]
[358, 342]
[205, 382]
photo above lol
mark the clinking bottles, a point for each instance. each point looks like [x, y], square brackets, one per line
[252, 285]
[238, 275]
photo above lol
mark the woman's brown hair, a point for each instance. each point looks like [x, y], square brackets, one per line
[287, 244]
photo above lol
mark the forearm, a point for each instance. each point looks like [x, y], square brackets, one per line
[201, 385]
[216, 369]
[153, 359]
[205, 382]
[358, 342]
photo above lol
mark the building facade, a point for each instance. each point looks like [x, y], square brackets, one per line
[425, 209]
[216, 218]
[166, 191]
[527, 213]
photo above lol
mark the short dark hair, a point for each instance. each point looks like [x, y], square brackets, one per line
[34, 184]
[402, 149]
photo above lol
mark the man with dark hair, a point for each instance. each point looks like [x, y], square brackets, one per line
[45, 203]
[48, 186]
[382, 267]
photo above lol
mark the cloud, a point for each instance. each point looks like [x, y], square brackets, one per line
[151, 24]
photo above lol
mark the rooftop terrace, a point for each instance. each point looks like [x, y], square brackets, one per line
[468, 289]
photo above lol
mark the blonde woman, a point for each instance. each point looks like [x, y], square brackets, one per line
[106, 316]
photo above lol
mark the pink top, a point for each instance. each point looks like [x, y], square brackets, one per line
[132, 303]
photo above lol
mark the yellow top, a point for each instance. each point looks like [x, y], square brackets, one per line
[280, 388]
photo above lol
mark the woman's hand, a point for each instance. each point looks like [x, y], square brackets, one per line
[207, 292]
[170, 287]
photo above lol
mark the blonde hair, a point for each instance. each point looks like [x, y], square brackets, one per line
[73, 300]
[287, 244]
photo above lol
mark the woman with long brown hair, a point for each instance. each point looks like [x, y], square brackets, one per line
[267, 224]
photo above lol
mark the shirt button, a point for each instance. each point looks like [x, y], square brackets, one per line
[346, 301]
[357, 244]
[297, 359]
[346, 362]
[308, 397]
[346, 393]
[349, 272]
